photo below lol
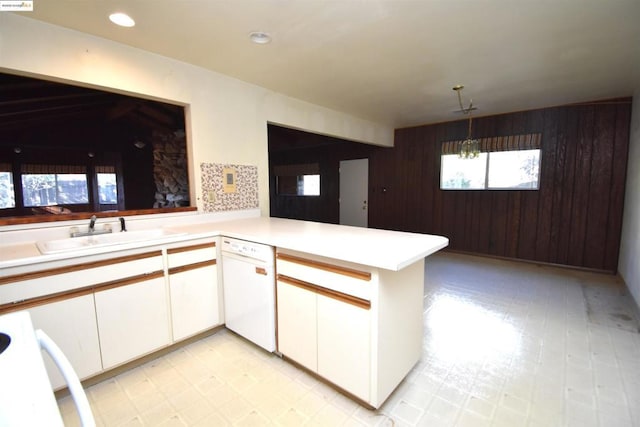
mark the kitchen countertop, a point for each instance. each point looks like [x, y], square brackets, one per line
[390, 250]
[25, 253]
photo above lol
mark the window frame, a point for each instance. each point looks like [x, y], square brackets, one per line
[90, 173]
[496, 144]
[57, 190]
[11, 188]
[289, 179]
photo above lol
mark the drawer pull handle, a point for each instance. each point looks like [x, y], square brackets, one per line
[330, 293]
[349, 272]
[260, 270]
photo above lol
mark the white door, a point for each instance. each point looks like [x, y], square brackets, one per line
[354, 192]
[133, 320]
[72, 325]
[194, 301]
[297, 325]
[344, 351]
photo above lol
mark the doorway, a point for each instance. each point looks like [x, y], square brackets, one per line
[354, 192]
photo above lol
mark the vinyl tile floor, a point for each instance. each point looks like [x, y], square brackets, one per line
[505, 344]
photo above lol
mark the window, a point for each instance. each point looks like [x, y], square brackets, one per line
[7, 193]
[107, 189]
[107, 185]
[298, 180]
[58, 188]
[47, 185]
[511, 162]
[463, 174]
[300, 185]
[309, 185]
[54, 189]
[514, 169]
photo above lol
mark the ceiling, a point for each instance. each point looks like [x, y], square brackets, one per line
[31, 108]
[390, 61]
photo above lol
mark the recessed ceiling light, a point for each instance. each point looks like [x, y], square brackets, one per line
[260, 37]
[122, 19]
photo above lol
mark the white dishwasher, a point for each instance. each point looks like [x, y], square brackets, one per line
[249, 290]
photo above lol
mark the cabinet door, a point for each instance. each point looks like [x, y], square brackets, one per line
[133, 320]
[194, 301]
[297, 332]
[72, 325]
[344, 345]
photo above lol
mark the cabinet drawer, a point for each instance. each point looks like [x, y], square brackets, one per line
[192, 254]
[338, 277]
[83, 275]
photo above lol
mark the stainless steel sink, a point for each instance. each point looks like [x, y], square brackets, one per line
[100, 240]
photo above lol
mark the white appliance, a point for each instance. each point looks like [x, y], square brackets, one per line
[26, 396]
[249, 290]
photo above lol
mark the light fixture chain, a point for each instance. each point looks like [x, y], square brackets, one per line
[464, 110]
[469, 148]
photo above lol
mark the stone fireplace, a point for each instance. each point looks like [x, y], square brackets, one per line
[170, 169]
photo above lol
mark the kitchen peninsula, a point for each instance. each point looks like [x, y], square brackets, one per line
[385, 249]
[349, 300]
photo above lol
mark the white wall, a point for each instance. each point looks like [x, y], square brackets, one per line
[227, 118]
[629, 264]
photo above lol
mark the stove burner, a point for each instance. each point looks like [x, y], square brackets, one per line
[5, 340]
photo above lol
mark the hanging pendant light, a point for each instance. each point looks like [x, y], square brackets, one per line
[469, 148]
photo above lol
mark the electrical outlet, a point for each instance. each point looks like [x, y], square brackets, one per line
[211, 196]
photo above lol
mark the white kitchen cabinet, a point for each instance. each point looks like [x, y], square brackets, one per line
[60, 298]
[321, 326]
[193, 288]
[344, 353]
[325, 334]
[58, 279]
[71, 323]
[297, 324]
[358, 327]
[104, 311]
[133, 320]
[194, 301]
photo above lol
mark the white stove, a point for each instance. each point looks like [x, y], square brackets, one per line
[26, 395]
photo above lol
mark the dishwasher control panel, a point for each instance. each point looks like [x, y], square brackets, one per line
[248, 249]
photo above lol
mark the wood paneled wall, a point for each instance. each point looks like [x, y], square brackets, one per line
[575, 217]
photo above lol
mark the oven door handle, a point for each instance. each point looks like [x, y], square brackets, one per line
[70, 376]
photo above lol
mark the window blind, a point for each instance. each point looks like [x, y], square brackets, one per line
[297, 169]
[528, 141]
[105, 169]
[52, 169]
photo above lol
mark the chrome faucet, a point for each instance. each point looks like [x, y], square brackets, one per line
[91, 230]
[92, 223]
